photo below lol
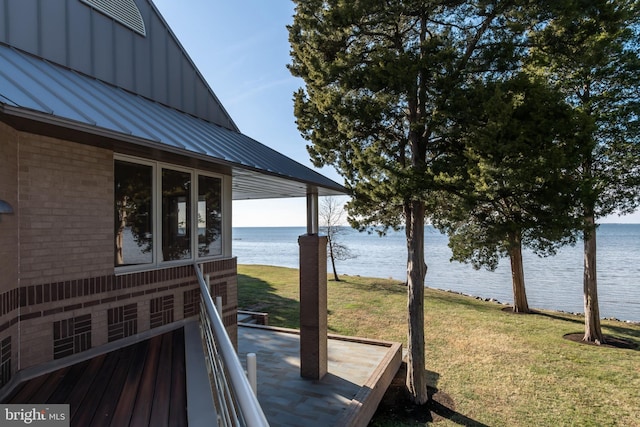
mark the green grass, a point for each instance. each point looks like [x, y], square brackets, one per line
[500, 369]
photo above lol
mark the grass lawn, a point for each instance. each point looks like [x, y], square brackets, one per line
[499, 369]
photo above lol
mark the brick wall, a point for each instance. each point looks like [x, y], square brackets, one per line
[224, 282]
[110, 304]
[8, 223]
[9, 300]
[66, 210]
[67, 297]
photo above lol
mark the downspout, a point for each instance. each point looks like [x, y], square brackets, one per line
[17, 210]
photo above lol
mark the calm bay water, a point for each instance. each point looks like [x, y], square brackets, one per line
[552, 283]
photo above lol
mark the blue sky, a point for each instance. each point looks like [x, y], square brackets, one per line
[241, 48]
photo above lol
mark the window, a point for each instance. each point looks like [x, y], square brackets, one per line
[180, 220]
[209, 216]
[176, 215]
[133, 213]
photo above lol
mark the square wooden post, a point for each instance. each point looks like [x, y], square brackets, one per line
[313, 306]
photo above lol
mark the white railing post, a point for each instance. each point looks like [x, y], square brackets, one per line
[219, 305]
[252, 372]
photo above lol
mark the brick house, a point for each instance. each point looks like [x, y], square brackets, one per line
[118, 166]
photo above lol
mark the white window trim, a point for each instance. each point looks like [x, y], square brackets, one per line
[157, 262]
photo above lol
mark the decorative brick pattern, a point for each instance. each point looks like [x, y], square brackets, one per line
[5, 361]
[122, 322]
[161, 311]
[191, 302]
[172, 293]
[9, 301]
[60, 291]
[219, 290]
[71, 336]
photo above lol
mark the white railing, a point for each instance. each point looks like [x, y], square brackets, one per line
[234, 398]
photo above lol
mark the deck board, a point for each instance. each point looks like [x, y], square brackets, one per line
[53, 380]
[139, 385]
[144, 399]
[127, 399]
[104, 412]
[87, 408]
[162, 393]
[178, 407]
[82, 385]
[68, 383]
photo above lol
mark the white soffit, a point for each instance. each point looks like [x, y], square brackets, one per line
[124, 11]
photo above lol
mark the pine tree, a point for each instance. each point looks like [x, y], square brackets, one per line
[519, 143]
[590, 52]
[378, 77]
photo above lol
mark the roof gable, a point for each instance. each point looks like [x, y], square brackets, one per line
[144, 96]
[90, 36]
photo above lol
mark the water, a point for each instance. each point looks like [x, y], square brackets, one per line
[553, 283]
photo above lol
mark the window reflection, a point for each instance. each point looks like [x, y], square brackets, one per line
[141, 189]
[209, 216]
[176, 215]
[133, 213]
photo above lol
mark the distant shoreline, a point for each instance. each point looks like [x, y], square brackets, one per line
[385, 257]
[574, 313]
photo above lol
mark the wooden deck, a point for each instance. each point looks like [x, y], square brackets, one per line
[139, 385]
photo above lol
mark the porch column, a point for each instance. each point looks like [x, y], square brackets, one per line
[313, 296]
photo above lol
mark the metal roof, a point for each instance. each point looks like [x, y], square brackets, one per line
[38, 90]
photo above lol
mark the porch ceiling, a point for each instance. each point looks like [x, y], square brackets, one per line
[256, 185]
[42, 97]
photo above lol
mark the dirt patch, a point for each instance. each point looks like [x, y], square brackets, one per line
[609, 341]
[396, 404]
[510, 310]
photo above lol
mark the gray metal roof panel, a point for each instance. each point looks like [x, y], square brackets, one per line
[31, 83]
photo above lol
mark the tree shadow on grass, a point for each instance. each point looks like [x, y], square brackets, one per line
[610, 341]
[257, 295]
[396, 408]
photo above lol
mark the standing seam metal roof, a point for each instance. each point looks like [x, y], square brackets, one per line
[33, 87]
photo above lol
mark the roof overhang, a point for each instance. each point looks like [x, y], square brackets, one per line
[43, 98]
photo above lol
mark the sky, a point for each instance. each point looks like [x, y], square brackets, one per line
[241, 48]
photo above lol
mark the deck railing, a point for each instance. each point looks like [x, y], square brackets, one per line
[235, 401]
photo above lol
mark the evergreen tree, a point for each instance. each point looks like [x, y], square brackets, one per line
[519, 145]
[378, 77]
[590, 51]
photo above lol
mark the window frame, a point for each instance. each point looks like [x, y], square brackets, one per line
[156, 189]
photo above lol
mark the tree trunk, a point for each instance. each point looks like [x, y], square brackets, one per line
[520, 304]
[333, 260]
[592, 329]
[416, 380]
